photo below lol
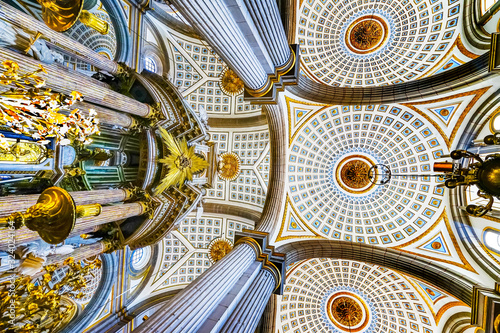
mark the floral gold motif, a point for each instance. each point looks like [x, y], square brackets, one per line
[366, 34]
[218, 249]
[230, 83]
[229, 166]
[354, 174]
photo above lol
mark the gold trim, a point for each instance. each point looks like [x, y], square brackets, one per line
[351, 295]
[283, 222]
[461, 47]
[252, 242]
[269, 266]
[465, 264]
[491, 118]
[274, 78]
[478, 94]
[342, 163]
[303, 122]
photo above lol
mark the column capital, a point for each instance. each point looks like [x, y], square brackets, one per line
[284, 75]
[272, 261]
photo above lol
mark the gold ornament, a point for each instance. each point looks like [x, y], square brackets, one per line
[218, 248]
[28, 108]
[44, 307]
[182, 162]
[230, 83]
[53, 216]
[61, 15]
[348, 311]
[354, 174]
[366, 34]
[229, 166]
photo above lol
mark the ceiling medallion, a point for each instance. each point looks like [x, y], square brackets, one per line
[348, 311]
[366, 34]
[229, 166]
[352, 174]
[230, 83]
[218, 248]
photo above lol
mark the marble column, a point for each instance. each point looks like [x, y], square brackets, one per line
[107, 116]
[189, 309]
[65, 81]
[246, 316]
[80, 253]
[266, 18]
[20, 203]
[244, 279]
[215, 23]
[29, 26]
[108, 214]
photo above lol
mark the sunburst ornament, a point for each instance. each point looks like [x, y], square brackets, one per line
[182, 162]
[229, 166]
[218, 248]
[230, 83]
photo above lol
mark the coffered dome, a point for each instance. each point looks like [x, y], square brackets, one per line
[368, 43]
[329, 160]
[325, 295]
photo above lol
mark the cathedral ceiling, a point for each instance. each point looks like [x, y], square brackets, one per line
[330, 148]
[370, 43]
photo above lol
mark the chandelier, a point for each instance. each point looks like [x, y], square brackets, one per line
[475, 170]
[482, 172]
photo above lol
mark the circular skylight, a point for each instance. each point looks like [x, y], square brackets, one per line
[330, 157]
[140, 258]
[375, 42]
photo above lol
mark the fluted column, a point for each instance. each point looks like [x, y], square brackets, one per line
[108, 214]
[269, 315]
[106, 116]
[80, 253]
[216, 24]
[20, 203]
[189, 309]
[246, 316]
[64, 43]
[65, 81]
[266, 17]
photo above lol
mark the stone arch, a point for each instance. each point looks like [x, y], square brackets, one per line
[457, 285]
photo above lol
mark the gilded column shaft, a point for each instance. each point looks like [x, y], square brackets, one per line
[214, 21]
[246, 315]
[194, 304]
[20, 203]
[108, 214]
[65, 81]
[31, 25]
